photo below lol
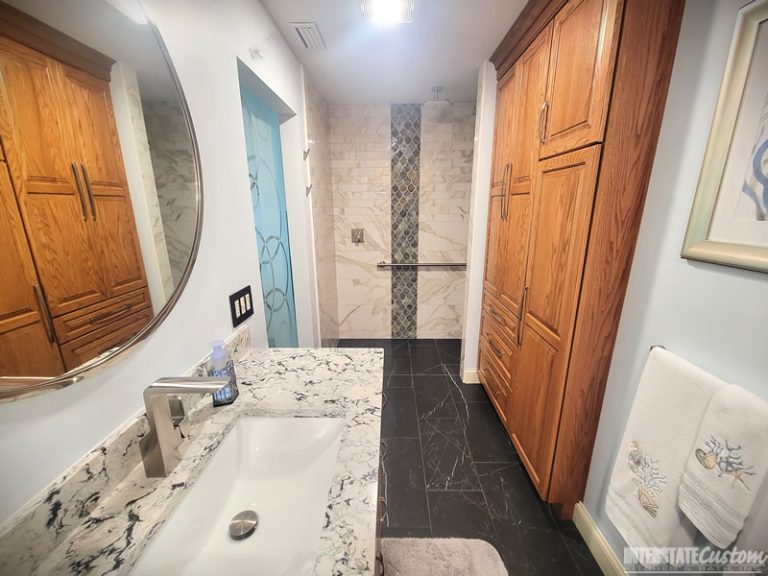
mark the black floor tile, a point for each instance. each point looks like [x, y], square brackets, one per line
[421, 343]
[404, 492]
[534, 552]
[463, 393]
[580, 553]
[397, 364]
[433, 397]
[450, 470]
[511, 497]
[398, 416]
[398, 381]
[460, 515]
[426, 360]
[450, 351]
[447, 462]
[488, 441]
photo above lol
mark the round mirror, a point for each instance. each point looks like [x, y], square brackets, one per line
[100, 198]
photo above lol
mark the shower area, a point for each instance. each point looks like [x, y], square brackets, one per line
[390, 188]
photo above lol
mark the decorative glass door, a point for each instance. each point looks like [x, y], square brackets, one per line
[265, 169]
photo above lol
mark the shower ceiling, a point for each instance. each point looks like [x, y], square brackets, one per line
[444, 45]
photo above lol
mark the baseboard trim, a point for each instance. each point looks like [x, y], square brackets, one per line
[470, 377]
[596, 542]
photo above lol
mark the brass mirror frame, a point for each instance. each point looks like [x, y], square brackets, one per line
[33, 386]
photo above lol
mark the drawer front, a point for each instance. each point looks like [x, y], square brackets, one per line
[86, 320]
[506, 321]
[88, 347]
[497, 344]
[492, 381]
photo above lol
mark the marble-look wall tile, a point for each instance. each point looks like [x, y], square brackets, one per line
[360, 167]
[148, 185]
[318, 131]
[174, 166]
[447, 144]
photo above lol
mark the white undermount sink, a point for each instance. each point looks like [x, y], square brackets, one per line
[282, 469]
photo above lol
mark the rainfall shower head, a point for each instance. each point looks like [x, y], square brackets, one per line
[436, 96]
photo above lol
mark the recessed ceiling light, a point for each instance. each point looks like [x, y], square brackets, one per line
[387, 11]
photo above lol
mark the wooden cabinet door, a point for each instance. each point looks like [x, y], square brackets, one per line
[37, 141]
[531, 72]
[496, 238]
[27, 345]
[564, 189]
[584, 42]
[101, 165]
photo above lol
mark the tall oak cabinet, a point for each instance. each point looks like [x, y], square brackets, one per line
[73, 283]
[582, 86]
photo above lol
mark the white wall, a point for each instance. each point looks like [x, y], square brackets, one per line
[478, 218]
[714, 316]
[41, 436]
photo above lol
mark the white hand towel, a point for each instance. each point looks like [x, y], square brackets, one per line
[727, 465]
[642, 495]
[754, 535]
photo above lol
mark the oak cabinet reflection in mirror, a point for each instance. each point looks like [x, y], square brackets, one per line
[100, 201]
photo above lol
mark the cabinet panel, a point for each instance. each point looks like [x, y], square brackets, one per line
[54, 208]
[117, 244]
[93, 124]
[497, 230]
[564, 190]
[96, 343]
[32, 127]
[87, 319]
[584, 42]
[25, 343]
[533, 417]
[531, 69]
[531, 73]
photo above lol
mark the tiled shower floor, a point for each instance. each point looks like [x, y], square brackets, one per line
[451, 471]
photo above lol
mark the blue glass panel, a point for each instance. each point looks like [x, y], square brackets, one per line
[265, 168]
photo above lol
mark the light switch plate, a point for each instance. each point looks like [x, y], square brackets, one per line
[358, 235]
[240, 306]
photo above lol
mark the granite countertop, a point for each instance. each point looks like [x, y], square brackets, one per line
[117, 526]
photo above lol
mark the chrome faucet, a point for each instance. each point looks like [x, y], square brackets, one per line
[167, 424]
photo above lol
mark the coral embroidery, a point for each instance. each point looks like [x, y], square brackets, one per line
[725, 459]
[646, 476]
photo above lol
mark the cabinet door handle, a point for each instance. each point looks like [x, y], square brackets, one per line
[542, 120]
[496, 316]
[494, 348]
[90, 190]
[505, 192]
[100, 317]
[502, 183]
[79, 184]
[521, 322]
[45, 313]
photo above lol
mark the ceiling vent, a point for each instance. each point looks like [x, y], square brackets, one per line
[309, 34]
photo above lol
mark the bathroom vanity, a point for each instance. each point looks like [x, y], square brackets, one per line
[104, 513]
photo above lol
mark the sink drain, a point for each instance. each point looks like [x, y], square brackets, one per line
[243, 524]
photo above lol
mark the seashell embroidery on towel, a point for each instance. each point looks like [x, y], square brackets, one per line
[646, 476]
[725, 459]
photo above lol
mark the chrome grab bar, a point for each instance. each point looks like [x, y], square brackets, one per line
[383, 264]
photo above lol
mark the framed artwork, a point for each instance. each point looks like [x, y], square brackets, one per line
[729, 218]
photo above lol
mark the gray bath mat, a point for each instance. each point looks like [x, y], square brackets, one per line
[440, 557]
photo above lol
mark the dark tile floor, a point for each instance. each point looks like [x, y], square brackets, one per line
[451, 471]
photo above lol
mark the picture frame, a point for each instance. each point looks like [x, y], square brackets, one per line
[728, 224]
